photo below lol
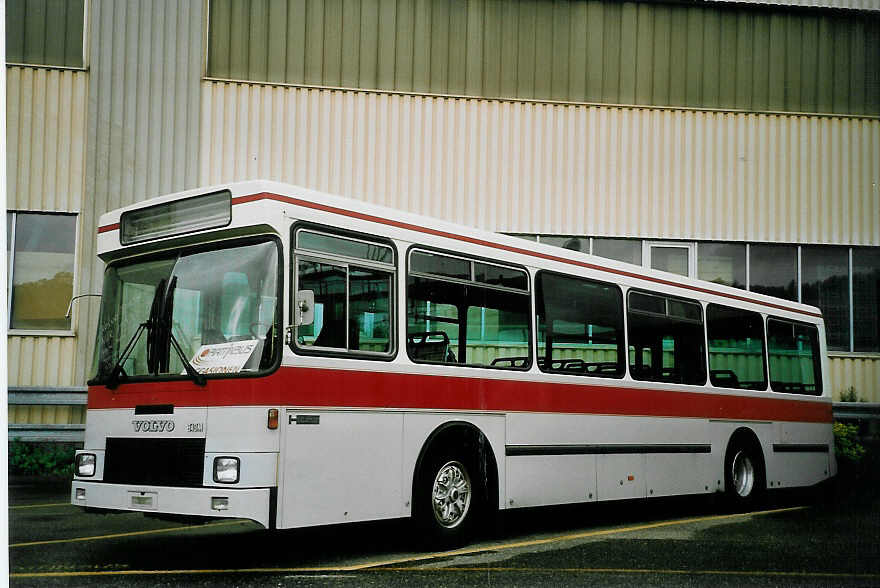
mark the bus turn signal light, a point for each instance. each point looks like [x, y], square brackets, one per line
[273, 419]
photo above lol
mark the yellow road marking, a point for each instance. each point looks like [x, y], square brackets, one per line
[40, 505]
[387, 564]
[130, 534]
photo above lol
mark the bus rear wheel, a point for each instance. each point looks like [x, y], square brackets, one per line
[449, 499]
[743, 476]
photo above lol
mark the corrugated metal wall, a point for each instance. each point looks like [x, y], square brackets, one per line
[143, 120]
[46, 414]
[663, 54]
[862, 373]
[45, 32]
[45, 162]
[542, 168]
[45, 138]
[42, 361]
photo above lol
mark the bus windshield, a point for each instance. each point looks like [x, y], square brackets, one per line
[218, 306]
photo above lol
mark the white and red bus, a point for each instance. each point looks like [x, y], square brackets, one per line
[277, 354]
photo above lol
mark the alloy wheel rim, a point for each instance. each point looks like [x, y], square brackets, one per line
[451, 494]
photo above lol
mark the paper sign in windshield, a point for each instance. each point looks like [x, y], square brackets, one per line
[223, 358]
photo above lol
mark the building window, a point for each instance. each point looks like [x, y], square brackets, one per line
[45, 33]
[825, 283]
[722, 263]
[40, 254]
[844, 282]
[866, 299]
[627, 250]
[581, 244]
[773, 270]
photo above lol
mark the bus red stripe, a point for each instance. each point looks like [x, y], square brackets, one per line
[359, 389]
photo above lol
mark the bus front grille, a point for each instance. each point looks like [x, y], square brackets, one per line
[155, 462]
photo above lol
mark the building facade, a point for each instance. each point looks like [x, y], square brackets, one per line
[735, 142]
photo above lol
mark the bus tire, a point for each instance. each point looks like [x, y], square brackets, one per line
[744, 478]
[450, 498]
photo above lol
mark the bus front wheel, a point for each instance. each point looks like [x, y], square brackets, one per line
[449, 499]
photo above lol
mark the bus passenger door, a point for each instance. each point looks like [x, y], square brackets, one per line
[340, 466]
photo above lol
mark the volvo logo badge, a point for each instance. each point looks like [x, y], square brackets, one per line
[153, 426]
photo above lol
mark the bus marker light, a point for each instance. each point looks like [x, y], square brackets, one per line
[273, 419]
[219, 503]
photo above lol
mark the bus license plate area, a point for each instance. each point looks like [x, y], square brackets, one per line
[143, 500]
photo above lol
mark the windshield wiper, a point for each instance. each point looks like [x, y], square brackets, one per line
[112, 381]
[167, 335]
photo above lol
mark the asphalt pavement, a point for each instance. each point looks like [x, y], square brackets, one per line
[797, 539]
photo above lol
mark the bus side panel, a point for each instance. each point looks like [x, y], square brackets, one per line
[803, 455]
[418, 427]
[340, 466]
[558, 459]
[536, 480]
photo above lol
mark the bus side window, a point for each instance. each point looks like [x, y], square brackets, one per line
[579, 326]
[328, 282]
[352, 299]
[467, 312]
[671, 329]
[736, 348]
[793, 349]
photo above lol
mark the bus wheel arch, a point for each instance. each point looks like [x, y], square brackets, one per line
[745, 471]
[456, 457]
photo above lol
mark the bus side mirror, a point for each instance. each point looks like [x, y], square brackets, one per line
[305, 308]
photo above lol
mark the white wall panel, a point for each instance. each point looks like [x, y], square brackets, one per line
[555, 168]
[45, 138]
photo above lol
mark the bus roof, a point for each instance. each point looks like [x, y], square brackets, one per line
[265, 190]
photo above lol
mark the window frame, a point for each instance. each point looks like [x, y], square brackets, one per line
[323, 257]
[86, 44]
[10, 270]
[528, 293]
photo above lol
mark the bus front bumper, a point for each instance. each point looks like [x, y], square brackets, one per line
[236, 503]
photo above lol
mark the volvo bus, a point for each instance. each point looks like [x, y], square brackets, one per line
[295, 358]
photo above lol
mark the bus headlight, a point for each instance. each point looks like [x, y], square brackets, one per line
[226, 470]
[85, 465]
